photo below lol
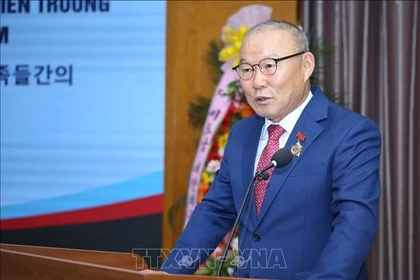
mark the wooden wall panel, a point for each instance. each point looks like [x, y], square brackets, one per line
[191, 25]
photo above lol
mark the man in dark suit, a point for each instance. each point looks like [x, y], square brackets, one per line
[314, 218]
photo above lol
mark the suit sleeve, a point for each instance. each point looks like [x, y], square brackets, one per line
[356, 190]
[209, 222]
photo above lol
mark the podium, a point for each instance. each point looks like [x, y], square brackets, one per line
[20, 262]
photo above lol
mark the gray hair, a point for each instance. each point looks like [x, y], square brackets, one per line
[301, 39]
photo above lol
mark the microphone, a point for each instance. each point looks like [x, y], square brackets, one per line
[264, 176]
[279, 159]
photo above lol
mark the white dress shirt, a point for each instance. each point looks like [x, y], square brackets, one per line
[288, 123]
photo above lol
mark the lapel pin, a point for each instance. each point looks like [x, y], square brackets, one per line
[297, 147]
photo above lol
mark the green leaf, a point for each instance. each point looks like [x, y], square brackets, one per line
[214, 62]
[197, 112]
[204, 271]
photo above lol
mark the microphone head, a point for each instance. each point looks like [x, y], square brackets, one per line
[264, 176]
[282, 157]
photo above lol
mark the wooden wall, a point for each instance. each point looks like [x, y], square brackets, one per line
[191, 25]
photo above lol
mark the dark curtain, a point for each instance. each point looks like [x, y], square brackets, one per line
[374, 69]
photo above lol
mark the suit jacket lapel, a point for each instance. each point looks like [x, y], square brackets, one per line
[248, 161]
[307, 124]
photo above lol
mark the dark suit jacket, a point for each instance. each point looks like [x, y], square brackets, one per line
[318, 218]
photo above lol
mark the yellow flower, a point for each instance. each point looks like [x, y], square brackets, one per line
[207, 177]
[233, 40]
[222, 140]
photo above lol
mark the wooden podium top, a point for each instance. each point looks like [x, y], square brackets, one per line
[113, 259]
[32, 262]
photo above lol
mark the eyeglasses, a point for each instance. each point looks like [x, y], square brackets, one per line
[268, 67]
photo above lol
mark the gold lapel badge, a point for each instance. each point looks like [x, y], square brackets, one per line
[297, 148]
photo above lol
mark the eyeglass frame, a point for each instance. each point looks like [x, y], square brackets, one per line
[277, 60]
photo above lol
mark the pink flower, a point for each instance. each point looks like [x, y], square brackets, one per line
[217, 253]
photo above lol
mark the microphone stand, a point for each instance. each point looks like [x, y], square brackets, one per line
[262, 175]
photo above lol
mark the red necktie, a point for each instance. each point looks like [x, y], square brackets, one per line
[274, 133]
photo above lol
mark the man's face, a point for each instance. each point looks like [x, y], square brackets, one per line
[277, 95]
